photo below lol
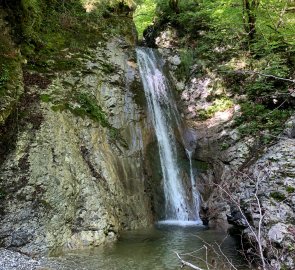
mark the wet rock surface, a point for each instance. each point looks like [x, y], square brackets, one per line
[70, 181]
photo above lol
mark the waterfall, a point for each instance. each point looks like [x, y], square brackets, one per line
[195, 192]
[178, 206]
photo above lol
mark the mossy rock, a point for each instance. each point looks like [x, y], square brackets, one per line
[290, 189]
[278, 196]
[11, 88]
[2, 194]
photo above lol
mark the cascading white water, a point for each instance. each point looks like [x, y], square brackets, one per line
[195, 192]
[163, 111]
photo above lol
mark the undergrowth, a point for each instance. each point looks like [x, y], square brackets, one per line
[257, 119]
[218, 105]
[50, 29]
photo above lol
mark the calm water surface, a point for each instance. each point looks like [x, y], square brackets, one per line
[151, 249]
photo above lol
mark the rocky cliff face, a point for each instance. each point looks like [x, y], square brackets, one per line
[257, 182]
[246, 187]
[74, 175]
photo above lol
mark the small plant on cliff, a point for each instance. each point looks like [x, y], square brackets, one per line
[256, 118]
[89, 107]
[83, 104]
[2, 194]
[187, 57]
[290, 189]
[278, 196]
[219, 105]
[4, 76]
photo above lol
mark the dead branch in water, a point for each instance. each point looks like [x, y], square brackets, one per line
[187, 263]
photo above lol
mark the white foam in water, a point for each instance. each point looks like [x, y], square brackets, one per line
[181, 223]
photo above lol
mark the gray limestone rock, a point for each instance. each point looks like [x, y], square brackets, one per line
[174, 60]
[71, 183]
[277, 233]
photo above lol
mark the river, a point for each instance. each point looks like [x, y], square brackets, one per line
[154, 249]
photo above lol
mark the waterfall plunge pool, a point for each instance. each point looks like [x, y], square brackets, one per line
[181, 232]
[152, 249]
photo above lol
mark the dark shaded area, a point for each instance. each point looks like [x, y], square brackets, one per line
[154, 185]
[33, 79]
[85, 155]
[26, 114]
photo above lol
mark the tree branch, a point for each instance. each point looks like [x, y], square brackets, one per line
[187, 263]
[239, 71]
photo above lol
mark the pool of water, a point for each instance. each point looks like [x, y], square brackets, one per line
[154, 249]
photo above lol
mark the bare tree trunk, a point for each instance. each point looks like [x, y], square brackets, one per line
[174, 5]
[249, 17]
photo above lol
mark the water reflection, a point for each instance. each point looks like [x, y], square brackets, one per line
[151, 249]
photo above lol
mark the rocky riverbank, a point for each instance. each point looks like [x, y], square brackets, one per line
[10, 260]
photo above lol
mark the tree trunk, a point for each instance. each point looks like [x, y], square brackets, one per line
[249, 17]
[173, 4]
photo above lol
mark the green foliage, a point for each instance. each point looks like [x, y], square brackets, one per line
[88, 106]
[187, 57]
[80, 104]
[32, 18]
[48, 27]
[277, 196]
[202, 166]
[275, 26]
[4, 77]
[219, 105]
[290, 189]
[144, 16]
[224, 146]
[276, 29]
[256, 118]
[187, 15]
[2, 194]
[107, 68]
[45, 98]
[9, 82]
[271, 64]
[85, 105]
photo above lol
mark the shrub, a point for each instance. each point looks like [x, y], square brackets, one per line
[257, 117]
[277, 196]
[290, 189]
[4, 77]
[219, 105]
[187, 57]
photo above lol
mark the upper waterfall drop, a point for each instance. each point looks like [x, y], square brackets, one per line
[180, 207]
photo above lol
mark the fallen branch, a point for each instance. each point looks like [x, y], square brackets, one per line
[257, 235]
[255, 232]
[187, 263]
[227, 259]
[212, 248]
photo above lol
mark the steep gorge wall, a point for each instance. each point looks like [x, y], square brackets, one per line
[74, 174]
